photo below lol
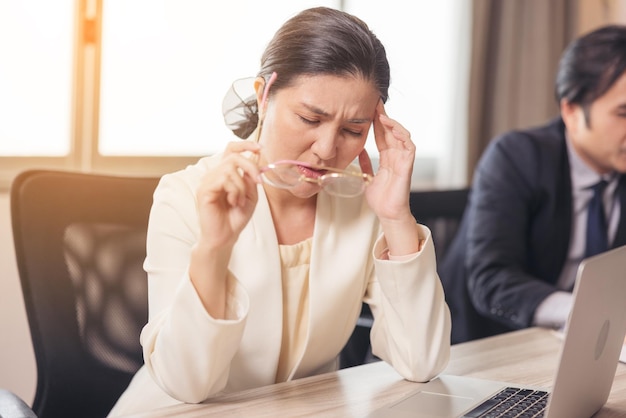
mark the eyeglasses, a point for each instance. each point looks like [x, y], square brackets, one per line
[287, 174]
[266, 91]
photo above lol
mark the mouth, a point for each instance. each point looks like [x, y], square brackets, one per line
[311, 172]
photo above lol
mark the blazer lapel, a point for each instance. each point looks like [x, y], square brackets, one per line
[258, 246]
[340, 260]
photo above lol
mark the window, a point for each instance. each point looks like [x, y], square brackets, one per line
[35, 77]
[166, 66]
[36, 88]
[135, 86]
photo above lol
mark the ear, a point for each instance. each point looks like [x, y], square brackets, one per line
[259, 88]
[573, 116]
[262, 91]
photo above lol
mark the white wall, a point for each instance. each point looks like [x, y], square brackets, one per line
[17, 360]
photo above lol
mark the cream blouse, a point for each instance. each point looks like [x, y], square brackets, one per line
[295, 261]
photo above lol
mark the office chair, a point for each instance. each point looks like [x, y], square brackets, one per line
[12, 406]
[80, 245]
[441, 211]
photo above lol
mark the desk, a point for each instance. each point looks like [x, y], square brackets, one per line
[526, 357]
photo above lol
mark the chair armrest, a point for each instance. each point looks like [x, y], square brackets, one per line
[12, 406]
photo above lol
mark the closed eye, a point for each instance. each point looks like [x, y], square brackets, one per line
[353, 133]
[621, 111]
[308, 121]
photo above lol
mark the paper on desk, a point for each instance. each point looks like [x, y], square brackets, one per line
[622, 355]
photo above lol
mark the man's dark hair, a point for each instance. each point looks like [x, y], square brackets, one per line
[591, 65]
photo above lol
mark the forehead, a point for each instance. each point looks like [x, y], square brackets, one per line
[326, 90]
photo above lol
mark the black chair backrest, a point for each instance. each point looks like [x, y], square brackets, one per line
[80, 246]
[442, 211]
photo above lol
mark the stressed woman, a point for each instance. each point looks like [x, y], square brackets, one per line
[260, 257]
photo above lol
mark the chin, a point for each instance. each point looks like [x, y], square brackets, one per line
[306, 191]
[619, 164]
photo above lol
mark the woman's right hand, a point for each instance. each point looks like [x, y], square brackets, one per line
[225, 200]
[227, 195]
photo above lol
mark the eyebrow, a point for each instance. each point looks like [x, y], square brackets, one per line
[320, 112]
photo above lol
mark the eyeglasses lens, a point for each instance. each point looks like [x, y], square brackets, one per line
[344, 186]
[286, 176]
[282, 176]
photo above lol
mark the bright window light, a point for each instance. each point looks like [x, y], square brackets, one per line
[35, 77]
[419, 47]
[167, 64]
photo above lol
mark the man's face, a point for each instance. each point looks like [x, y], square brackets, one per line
[602, 142]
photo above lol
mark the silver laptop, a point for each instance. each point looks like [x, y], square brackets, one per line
[594, 336]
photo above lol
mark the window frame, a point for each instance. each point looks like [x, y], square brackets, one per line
[83, 154]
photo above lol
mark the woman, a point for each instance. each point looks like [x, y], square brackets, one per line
[256, 277]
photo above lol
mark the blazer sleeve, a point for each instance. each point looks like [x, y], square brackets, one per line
[506, 198]
[187, 352]
[411, 329]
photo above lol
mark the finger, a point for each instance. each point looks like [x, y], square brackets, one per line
[365, 162]
[233, 197]
[380, 107]
[251, 189]
[398, 131]
[223, 182]
[242, 146]
[379, 128]
[394, 135]
[235, 177]
[388, 131]
[241, 164]
[242, 187]
[234, 189]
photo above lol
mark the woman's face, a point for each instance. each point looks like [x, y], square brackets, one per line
[322, 120]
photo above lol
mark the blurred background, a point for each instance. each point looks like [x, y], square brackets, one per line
[136, 87]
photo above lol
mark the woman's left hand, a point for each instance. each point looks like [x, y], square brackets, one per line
[388, 194]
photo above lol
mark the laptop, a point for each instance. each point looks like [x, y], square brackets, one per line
[593, 339]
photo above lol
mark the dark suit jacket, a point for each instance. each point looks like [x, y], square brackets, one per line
[515, 234]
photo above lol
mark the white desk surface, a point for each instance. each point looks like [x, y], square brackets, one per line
[526, 357]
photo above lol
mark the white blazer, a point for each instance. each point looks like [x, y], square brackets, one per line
[189, 356]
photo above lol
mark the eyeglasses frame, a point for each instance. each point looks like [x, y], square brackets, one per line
[329, 172]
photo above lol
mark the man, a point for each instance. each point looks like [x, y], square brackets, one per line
[514, 261]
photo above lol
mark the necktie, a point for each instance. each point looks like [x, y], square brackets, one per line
[597, 236]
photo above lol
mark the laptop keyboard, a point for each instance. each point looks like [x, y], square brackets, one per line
[512, 402]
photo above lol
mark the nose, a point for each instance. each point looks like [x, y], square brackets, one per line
[325, 146]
